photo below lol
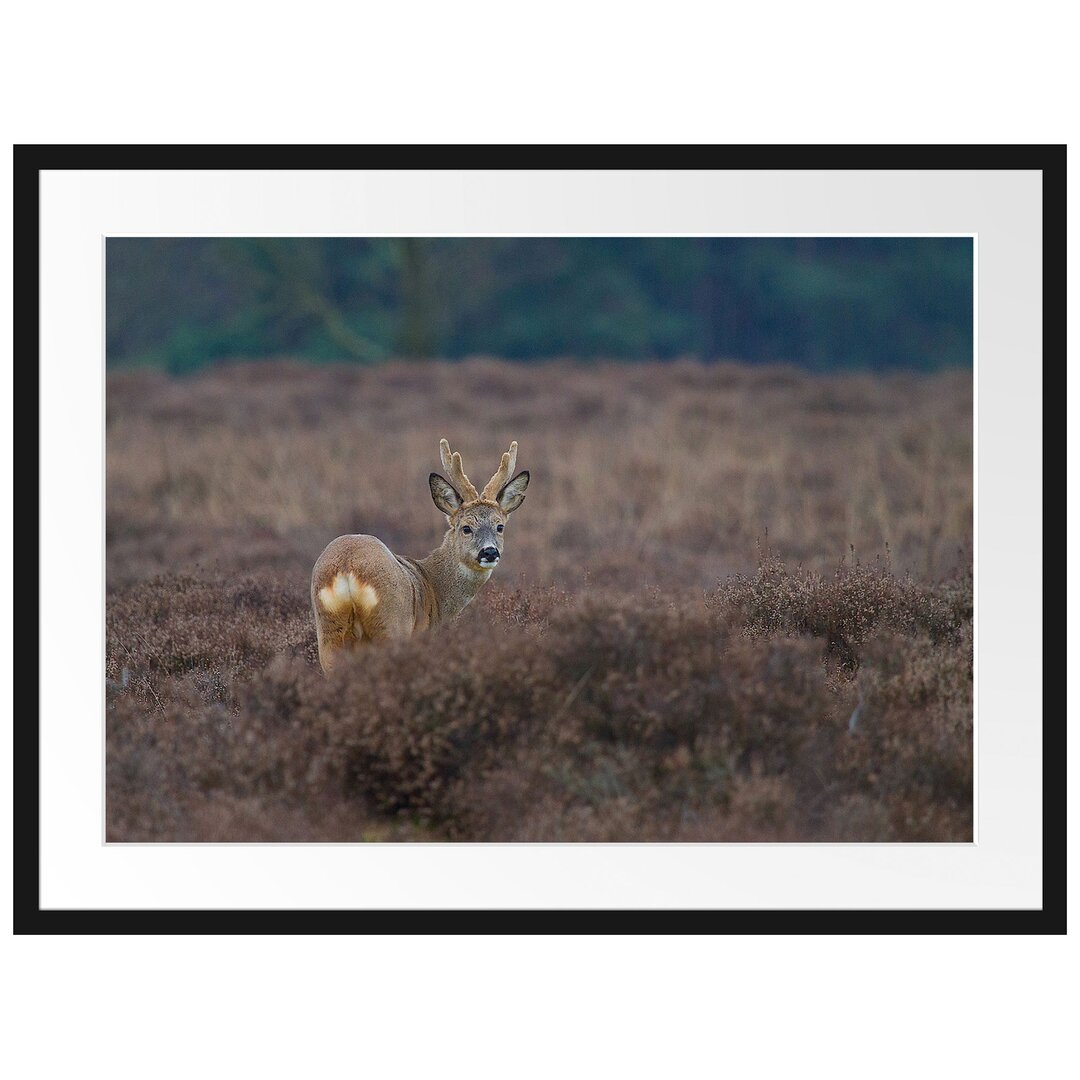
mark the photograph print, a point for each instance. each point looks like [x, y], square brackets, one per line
[539, 539]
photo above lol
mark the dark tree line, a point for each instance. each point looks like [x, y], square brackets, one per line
[827, 303]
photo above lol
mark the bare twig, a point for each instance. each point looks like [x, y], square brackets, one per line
[574, 691]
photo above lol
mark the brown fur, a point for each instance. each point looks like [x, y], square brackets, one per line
[362, 592]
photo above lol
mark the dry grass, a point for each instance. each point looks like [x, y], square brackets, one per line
[663, 474]
[629, 674]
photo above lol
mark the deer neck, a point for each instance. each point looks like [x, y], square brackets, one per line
[452, 584]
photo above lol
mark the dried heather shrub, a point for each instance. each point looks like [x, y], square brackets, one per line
[845, 607]
[592, 694]
[600, 719]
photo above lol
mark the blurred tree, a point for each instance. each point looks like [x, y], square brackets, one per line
[417, 338]
[822, 302]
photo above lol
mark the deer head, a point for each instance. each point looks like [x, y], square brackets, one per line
[477, 521]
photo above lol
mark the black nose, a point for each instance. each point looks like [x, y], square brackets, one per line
[489, 554]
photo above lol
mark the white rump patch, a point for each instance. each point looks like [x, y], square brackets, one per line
[347, 592]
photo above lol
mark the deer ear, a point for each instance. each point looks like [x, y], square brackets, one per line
[444, 494]
[513, 494]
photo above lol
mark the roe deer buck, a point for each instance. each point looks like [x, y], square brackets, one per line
[361, 591]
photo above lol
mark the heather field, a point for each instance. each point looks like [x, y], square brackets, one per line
[736, 606]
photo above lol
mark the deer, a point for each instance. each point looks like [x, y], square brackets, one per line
[361, 592]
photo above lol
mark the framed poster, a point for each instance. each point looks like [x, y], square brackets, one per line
[732, 637]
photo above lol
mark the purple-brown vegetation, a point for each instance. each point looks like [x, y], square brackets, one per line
[645, 665]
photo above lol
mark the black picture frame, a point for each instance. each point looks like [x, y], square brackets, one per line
[30, 160]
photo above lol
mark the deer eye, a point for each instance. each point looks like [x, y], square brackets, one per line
[466, 530]
[498, 528]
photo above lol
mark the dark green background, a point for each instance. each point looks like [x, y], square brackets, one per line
[825, 303]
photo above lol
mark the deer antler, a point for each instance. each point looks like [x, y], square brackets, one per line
[455, 473]
[505, 471]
